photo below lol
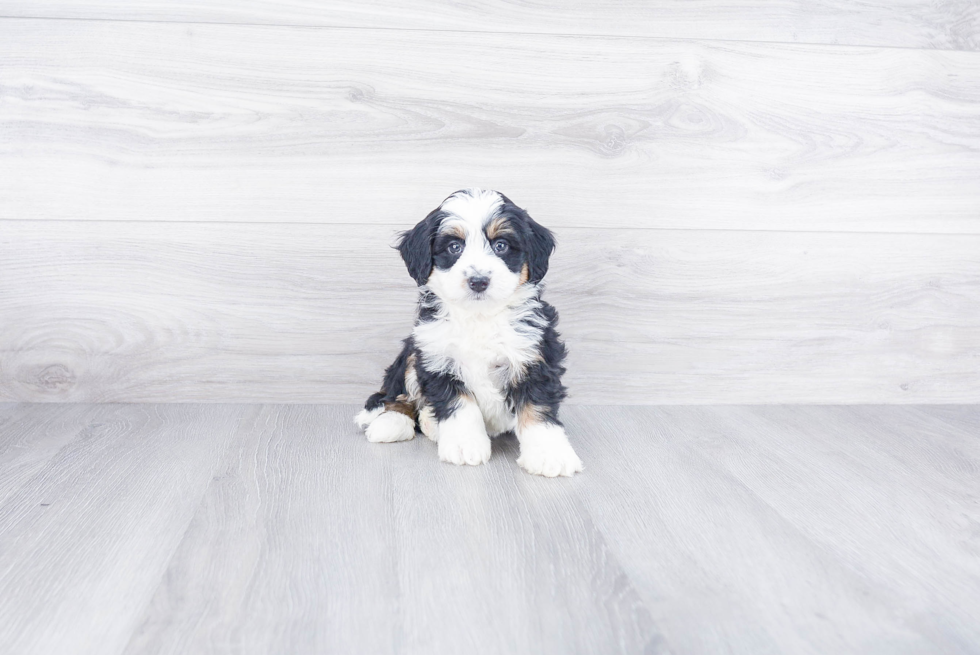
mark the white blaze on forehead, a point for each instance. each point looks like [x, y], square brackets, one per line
[470, 209]
[467, 213]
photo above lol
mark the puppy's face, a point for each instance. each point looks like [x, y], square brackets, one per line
[477, 248]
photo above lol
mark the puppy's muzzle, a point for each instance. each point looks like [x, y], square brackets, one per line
[479, 284]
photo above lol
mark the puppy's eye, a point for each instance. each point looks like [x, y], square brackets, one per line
[500, 246]
[455, 247]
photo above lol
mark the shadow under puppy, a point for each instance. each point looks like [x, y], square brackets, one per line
[484, 357]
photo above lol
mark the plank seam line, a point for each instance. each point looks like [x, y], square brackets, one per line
[139, 622]
[517, 33]
[571, 403]
[407, 225]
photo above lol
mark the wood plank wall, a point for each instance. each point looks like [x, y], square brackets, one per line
[755, 202]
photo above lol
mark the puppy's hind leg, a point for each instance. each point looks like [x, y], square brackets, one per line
[389, 415]
[395, 423]
[366, 417]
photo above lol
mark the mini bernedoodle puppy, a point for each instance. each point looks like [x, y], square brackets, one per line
[484, 357]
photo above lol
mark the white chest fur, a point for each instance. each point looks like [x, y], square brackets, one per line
[486, 352]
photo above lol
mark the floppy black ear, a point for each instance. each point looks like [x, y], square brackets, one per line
[540, 247]
[415, 247]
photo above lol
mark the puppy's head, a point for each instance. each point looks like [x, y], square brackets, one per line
[477, 248]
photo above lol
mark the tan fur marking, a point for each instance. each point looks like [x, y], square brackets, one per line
[412, 380]
[525, 273]
[455, 231]
[528, 416]
[402, 406]
[498, 227]
[427, 422]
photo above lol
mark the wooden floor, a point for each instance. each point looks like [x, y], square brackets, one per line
[279, 529]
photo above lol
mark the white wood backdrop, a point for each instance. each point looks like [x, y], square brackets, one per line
[200, 211]
[147, 121]
[949, 24]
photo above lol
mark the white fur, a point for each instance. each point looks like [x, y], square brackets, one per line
[486, 350]
[484, 340]
[470, 211]
[365, 417]
[390, 426]
[428, 423]
[412, 388]
[545, 451]
[487, 340]
[463, 438]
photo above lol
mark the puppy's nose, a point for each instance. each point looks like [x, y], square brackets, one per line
[479, 284]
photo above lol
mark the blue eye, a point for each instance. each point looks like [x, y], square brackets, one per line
[455, 247]
[500, 246]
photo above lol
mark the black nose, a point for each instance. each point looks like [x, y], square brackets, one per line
[479, 284]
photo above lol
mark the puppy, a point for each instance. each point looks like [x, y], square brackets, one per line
[484, 357]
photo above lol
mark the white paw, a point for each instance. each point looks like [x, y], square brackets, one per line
[365, 417]
[545, 451]
[428, 424]
[390, 426]
[473, 450]
[550, 462]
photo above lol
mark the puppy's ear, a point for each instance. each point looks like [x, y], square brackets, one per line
[541, 245]
[415, 247]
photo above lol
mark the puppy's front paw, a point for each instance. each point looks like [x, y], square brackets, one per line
[550, 460]
[545, 451]
[389, 427]
[463, 448]
[365, 417]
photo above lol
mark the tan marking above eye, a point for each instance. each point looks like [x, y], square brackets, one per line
[454, 231]
[498, 227]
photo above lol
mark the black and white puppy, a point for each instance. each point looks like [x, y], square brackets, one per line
[484, 357]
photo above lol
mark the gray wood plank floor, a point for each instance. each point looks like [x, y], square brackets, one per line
[278, 529]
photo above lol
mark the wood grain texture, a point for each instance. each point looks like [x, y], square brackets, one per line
[790, 529]
[930, 580]
[310, 540]
[30, 438]
[291, 550]
[10, 412]
[154, 121]
[84, 543]
[952, 24]
[693, 530]
[312, 313]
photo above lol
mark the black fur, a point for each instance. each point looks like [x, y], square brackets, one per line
[415, 246]
[428, 307]
[393, 384]
[529, 243]
[541, 386]
[422, 248]
[534, 240]
[440, 390]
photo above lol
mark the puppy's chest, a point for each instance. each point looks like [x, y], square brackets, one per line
[486, 353]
